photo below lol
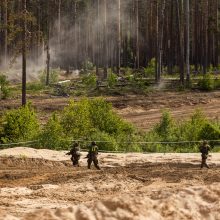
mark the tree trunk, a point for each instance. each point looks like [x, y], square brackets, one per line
[180, 44]
[160, 42]
[24, 30]
[59, 25]
[6, 34]
[105, 53]
[137, 36]
[187, 41]
[48, 46]
[119, 37]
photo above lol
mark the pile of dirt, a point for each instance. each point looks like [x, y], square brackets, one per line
[36, 163]
[189, 203]
[169, 186]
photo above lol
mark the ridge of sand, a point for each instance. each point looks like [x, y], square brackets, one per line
[189, 203]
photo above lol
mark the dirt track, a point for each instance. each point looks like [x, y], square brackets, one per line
[32, 183]
[143, 111]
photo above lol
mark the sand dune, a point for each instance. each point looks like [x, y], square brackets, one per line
[42, 184]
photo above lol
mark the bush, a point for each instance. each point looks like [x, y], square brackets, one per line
[88, 65]
[20, 125]
[104, 119]
[111, 79]
[166, 127]
[106, 141]
[53, 78]
[94, 119]
[206, 83]
[127, 142]
[190, 129]
[52, 135]
[210, 131]
[35, 86]
[4, 89]
[149, 71]
[76, 120]
[168, 130]
[90, 80]
[217, 83]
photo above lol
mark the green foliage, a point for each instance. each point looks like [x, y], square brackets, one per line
[206, 83]
[90, 80]
[149, 71]
[81, 118]
[104, 119]
[168, 130]
[217, 83]
[53, 78]
[76, 120]
[111, 79]
[127, 141]
[52, 135]
[4, 89]
[95, 120]
[165, 128]
[106, 141]
[88, 65]
[19, 125]
[190, 129]
[36, 86]
[128, 72]
[210, 131]
[61, 89]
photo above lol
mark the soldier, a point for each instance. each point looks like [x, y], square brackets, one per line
[75, 152]
[92, 156]
[204, 149]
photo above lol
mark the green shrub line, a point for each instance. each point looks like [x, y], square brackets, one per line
[4, 87]
[94, 119]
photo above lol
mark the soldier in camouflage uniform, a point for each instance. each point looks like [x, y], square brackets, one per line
[75, 154]
[92, 156]
[204, 149]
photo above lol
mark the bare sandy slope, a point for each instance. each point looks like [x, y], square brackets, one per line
[42, 184]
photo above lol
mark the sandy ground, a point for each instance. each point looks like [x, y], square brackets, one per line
[42, 184]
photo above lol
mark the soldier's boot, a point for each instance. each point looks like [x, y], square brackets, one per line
[202, 163]
[207, 165]
[76, 163]
[89, 163]
[73, 161]
[96, 163]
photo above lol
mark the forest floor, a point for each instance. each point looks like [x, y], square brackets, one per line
[142, 110]
[42, 184]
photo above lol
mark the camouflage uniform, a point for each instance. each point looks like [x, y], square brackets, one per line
[75, 152]
[92, 156]
[204, 149]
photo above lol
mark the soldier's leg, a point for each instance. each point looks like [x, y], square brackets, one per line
[77, 160]
[202, 163]
[206, 164]
[89, 163]
[72, 159]
[96, 163]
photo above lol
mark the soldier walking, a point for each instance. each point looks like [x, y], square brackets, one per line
[75, 154]
[204, 149]
[92, 156]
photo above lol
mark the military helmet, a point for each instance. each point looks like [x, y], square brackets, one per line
[93, 143]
